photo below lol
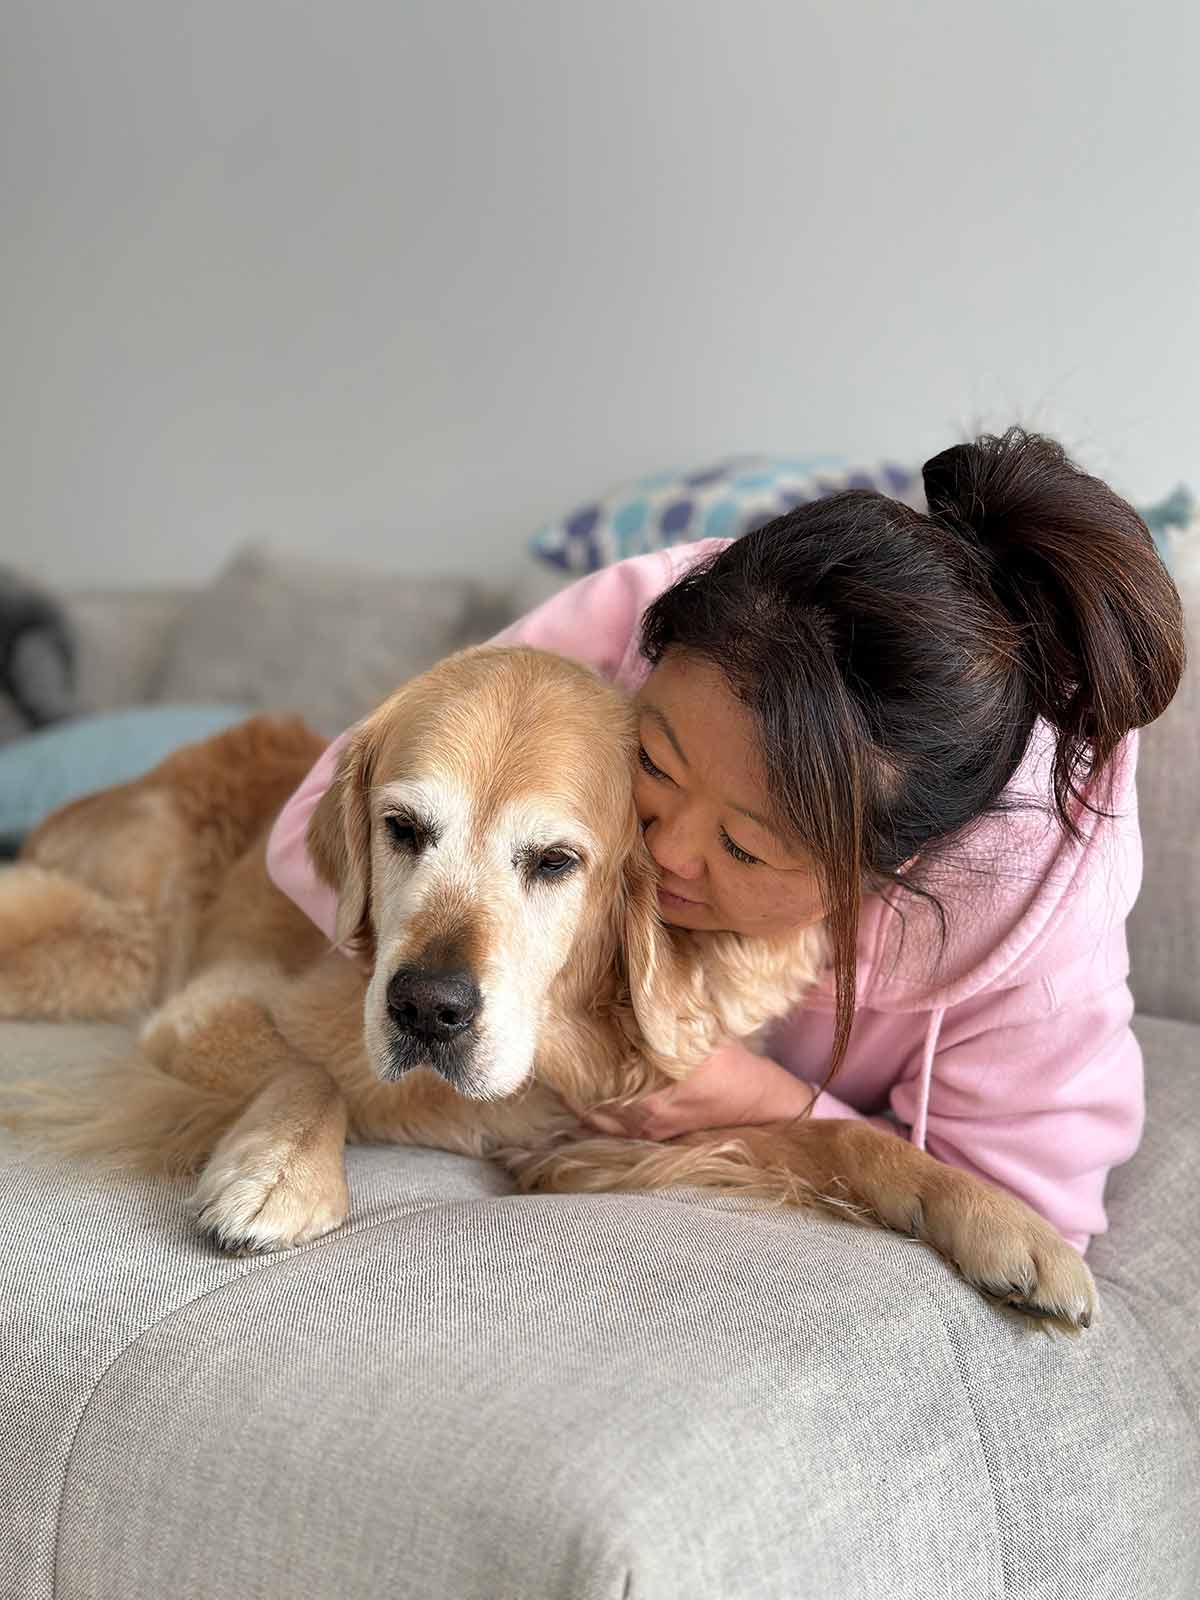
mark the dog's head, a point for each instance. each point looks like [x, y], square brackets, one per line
[481, 836]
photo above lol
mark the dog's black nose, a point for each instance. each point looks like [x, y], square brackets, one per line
[433, 1005]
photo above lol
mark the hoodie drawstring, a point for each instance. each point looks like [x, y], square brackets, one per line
[926, 1079]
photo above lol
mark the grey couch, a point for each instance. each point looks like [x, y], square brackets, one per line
[468, 1395]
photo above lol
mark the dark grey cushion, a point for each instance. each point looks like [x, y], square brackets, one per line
[471, 1395]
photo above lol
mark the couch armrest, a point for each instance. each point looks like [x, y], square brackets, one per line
[1164, 928]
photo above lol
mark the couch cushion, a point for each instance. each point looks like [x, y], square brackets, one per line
[1164, 929]
[464, 1394]
[1149, 1257]
[281, 632]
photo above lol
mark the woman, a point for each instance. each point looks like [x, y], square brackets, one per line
[918, 728]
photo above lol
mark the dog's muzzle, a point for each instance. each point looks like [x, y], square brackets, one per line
[433, 1007]
[432, 1016]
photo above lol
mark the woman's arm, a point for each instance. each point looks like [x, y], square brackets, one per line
[734, 1086]
[1045, 1106]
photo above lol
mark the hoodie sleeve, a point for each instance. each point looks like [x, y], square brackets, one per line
[289, 866]
[594, 621]
[1041, 1097]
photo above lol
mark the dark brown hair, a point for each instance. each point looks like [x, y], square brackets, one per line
[896, 663]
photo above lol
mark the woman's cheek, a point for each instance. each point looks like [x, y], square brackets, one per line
[751, 911]
[777, 907]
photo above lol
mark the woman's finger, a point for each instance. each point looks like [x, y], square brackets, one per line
[602, 1122]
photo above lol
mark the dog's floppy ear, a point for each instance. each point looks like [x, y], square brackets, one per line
[663, 974]
[339, 836]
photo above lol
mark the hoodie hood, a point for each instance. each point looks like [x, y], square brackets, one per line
[1022, 901]
[1024, 904]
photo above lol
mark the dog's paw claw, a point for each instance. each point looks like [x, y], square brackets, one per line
[255, 1207]
[1011, 1256]
[232, 1244]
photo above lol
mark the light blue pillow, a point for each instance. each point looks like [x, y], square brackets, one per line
[45, 770]
[721, 501]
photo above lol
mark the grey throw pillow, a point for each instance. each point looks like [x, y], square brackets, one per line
[281, 632]
[124, 636]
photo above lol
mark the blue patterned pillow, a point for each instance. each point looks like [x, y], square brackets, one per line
[721, 501]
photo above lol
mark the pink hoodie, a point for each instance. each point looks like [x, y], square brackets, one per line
[1008, 1052]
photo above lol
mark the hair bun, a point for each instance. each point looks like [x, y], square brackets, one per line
[1032, 507]
[951, 481]
[1098, 623]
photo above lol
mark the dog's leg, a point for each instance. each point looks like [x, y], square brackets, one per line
[996, 1242]
[219, 1033]
[67, 950]
[277, 1177]
[203, 1056]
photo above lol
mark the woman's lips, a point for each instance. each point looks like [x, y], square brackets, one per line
[673, 899]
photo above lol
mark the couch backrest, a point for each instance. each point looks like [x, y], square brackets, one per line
[1164, 931]
[124, 639]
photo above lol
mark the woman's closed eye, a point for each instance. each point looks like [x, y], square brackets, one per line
[729, 845]
[736, 851]
[648, 766]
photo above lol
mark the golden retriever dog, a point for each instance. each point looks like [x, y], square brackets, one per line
[501, 969]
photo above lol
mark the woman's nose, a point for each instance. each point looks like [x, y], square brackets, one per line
[675, 851]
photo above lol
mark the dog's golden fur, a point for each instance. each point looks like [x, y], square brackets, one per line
[264, 1050]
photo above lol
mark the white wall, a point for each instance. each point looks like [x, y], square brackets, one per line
[401, 278]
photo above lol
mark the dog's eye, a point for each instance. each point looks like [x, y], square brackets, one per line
[553, 863]
[405, 833]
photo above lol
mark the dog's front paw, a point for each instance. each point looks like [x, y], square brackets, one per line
[255, 1196]
[1004, 1249]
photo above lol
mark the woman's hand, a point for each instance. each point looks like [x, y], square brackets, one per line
[733, 1086]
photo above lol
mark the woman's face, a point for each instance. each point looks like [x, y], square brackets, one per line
[700, 792]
